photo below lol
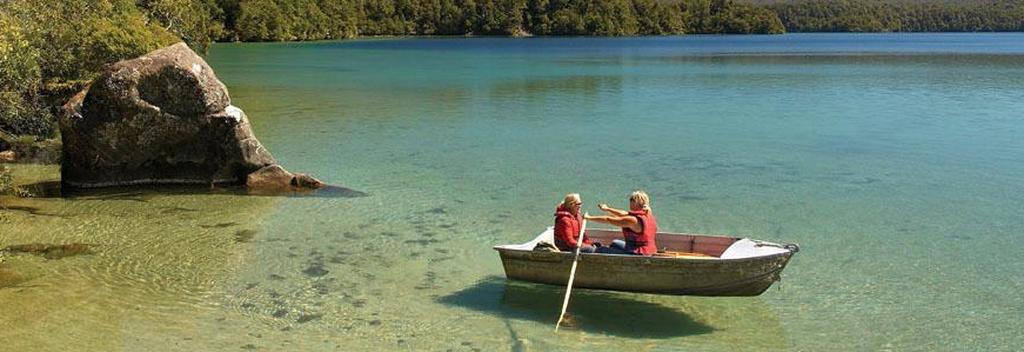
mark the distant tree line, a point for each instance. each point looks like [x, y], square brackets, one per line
[897, 16]
[51, 49]
[276, 20]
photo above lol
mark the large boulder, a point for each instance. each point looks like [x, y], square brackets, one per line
[163, 118]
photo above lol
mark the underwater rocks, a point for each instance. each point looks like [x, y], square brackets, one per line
[244, 236]
[50, 251]
[163, 118]
[10, 278]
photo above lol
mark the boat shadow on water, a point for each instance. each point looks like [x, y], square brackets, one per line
[597, 312]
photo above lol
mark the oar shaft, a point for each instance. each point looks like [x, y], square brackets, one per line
[572, 273]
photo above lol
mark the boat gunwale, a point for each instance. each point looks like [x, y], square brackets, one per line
[661, 258]
[788, 252]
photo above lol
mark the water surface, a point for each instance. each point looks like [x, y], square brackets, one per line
[894, 160]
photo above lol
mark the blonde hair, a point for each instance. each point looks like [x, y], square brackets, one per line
[570, 199]
[641, 199]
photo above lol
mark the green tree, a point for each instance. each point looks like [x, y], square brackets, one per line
[908, 16]
[342, 17]
[20, 78]
[196, 22]
[47, 63]
[260, 20]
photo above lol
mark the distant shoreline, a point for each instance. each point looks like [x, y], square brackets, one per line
[639, 37]
[552, 36]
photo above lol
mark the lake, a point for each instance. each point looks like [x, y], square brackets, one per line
[896, 161]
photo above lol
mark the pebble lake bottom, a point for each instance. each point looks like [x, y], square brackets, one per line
[896, 161]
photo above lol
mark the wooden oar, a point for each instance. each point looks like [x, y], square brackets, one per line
[572, 272]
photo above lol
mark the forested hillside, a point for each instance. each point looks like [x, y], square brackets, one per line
[50, 49]
[332, 19]
[900, 16]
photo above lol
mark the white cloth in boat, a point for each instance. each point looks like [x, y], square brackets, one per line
[746, 248]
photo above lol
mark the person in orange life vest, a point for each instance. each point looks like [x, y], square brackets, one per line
[639, 226]
[567, 225]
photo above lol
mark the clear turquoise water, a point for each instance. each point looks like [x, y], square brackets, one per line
[896, 161]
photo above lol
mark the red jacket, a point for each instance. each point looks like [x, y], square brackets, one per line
[643, 242]
[567, 229]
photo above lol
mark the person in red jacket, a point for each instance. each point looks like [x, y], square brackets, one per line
[639, 226]
[567, 225]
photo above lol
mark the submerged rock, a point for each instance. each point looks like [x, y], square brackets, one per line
[163, 118]
[245, 236]
[51, 251]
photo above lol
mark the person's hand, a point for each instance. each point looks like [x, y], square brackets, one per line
[603, 207]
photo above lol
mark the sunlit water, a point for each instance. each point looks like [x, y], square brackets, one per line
[896, 161]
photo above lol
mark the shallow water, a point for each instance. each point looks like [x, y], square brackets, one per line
[894, 160]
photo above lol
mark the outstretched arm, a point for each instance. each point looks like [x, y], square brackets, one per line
[612, 211]
[615, 220]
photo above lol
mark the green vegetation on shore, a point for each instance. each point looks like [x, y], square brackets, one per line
[50, 50]
[896, 16]
[275, 20]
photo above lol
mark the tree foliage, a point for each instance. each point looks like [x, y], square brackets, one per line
[878, 16]
[196, 22]
[49, 49]
[273, 20]
[20, 78]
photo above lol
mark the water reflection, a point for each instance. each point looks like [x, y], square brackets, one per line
[803, 60]
[543, 86]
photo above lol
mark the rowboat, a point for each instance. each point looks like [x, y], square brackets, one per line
[687, 264]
